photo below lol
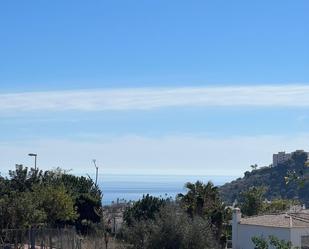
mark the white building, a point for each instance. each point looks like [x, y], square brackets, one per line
[292, 226]
[282, 157]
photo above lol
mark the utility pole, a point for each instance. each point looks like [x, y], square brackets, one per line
[97, 170]
[35, 156]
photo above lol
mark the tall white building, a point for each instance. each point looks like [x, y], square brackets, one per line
[282, 157]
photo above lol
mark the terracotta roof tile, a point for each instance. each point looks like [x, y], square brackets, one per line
[300, 219]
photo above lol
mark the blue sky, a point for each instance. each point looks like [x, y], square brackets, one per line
[153, 87]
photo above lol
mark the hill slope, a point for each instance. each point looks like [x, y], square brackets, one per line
[273, 178]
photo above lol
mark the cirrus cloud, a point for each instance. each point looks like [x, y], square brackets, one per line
[151, 98]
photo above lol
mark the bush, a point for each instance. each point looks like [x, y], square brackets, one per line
[170, 229]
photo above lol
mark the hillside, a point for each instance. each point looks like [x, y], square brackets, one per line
[273, 178]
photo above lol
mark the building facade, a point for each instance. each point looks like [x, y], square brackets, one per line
[282, 157]
[292, 226]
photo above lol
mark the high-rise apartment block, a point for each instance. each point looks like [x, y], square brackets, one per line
[282, 157]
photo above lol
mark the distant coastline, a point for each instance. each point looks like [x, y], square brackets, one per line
[132, 187]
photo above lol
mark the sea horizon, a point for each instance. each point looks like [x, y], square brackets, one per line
[130, 187]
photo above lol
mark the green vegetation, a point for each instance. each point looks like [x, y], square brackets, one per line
[171, 228]
[274, 180]
[272, 242]
[144, 209]
[203, 200]
[30, 197]
[35, 198]
[252, 202]
[196, 220]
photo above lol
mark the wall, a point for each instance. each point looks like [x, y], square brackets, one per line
[296, 234]
[246, 232]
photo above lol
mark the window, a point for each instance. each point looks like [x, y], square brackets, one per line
[304, 242]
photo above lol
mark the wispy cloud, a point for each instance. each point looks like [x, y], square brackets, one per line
[150, 98]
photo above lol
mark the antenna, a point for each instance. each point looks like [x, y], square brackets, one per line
[96, 169]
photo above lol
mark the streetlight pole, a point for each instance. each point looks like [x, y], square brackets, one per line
[97, 170]
[35, 158]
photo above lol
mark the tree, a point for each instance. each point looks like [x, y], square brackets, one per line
[198, 234]
[56, 202]
[295, 187]
[137, 234]
[298, 172]
[203, 200]
[252, 201]
[144, 209]
[53, 198]
[22, 179]
[262, 243]
[300, 158]
[200, 199]
[171, 229]
[87, 198]
[103, 228]
[278, 205]
[254, 166]
[19, 211]
[44, 205]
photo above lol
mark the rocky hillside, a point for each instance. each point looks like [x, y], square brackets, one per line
[273, 179]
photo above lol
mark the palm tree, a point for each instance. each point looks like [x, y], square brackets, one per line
[203, 200]
[200, 198]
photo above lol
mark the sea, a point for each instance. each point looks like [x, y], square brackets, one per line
[123, 188]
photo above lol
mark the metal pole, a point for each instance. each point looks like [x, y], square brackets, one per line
[96, 176]
[35, 162]
[97, 170]
[35, 158]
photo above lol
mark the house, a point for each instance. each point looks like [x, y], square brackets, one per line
[291, 226]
